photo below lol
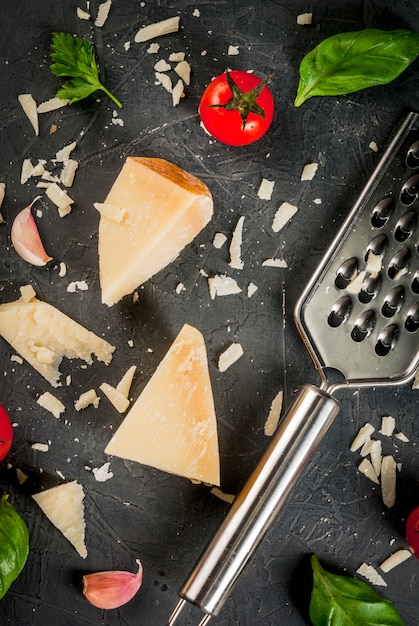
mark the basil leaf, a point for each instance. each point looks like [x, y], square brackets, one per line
[14, 544]
[343, 601]
[347, 62]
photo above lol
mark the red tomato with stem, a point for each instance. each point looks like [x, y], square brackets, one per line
[412, 531]
[237, 108]
[6, 433]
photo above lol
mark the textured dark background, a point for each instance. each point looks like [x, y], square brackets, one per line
[142, 513]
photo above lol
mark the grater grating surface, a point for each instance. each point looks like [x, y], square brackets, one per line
[360, 312]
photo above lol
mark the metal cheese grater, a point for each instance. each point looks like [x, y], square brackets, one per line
[359, 318]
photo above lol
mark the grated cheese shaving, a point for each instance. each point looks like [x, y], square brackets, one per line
[371, 574]
[103, 13]
[265, 189]
[165, 27]
[283, 214]
[395, 559]
[30, 109]
[363, 435]
[229, 356]
[274, 414]
[309, 171]
[235, 246]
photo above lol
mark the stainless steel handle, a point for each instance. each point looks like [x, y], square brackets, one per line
[263, 495]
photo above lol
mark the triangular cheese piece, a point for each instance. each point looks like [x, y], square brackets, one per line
[159, 209]
[63, 506]
[43, 335]
[172, 425]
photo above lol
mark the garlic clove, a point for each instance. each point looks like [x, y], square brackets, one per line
[26, 239]
[111, 589]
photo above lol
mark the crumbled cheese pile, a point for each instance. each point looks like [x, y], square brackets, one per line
[381, 469]
[378, 467]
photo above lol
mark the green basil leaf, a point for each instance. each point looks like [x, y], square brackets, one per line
[14, 544]
[348, 62]
[343, 601]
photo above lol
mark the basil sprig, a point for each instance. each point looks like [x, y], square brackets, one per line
[14, 544]
[344, 601]
[348, 62]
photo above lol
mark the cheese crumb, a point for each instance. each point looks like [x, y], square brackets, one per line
[284, 213]
[395, 559]
[40, 447]
[373, 146]
[86, 399]
[103, 13]
[388, 481]
[219, 240]
[229, 356]
[226, 497]
[125, 383]
[274, 414]
[116, 398]
[63, 270]
[235, 246]
[52, 404]
[77, 285]
[183, 69]
[82, 15]
[162, 66]
[64, 154]
[233, 50]
[221, 285]
[177, 92]
[103, 473]
[251, 289]
[363, 435]
[366, 468]
[275, 263]
[165, 27]
[371, 574]
[266, 189]
[388, 424]
[304, 19]
[153, 48]
[309, 171]
[30, 109]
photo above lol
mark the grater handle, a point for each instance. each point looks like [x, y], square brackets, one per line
[261, 498]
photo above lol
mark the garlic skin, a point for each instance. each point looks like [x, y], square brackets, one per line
[112, 589]
[26, 239]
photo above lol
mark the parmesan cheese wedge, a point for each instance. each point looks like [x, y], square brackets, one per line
[43, 335]
[172, 425]
[63, 506]
[165, 209]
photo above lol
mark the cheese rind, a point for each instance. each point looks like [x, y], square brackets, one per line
[43, 335]
[172, 425]
[63, 505]
[164, 209]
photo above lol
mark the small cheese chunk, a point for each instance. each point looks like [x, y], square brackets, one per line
[284, 213]
[43, 335]
[274, 414]
[115, 397]
[52, 104]
[125, 383]
[229, 356]
[87, 398]
[51, 404]
[221, 285]
[58, 196]
[388, 481]
[172, 425]
[102, 13]
[165, 27]
[63, 506]
[236, 261]
[395, 559]
[363, 435]
[183, 69]
[166, 208]
[371, 574]
[366, 468]
[266, 188]
[309, 171]
[304, 19]
[30, 109]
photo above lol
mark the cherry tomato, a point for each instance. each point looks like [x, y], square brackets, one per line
[412, 531]
[6, 433]
[237, 108]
